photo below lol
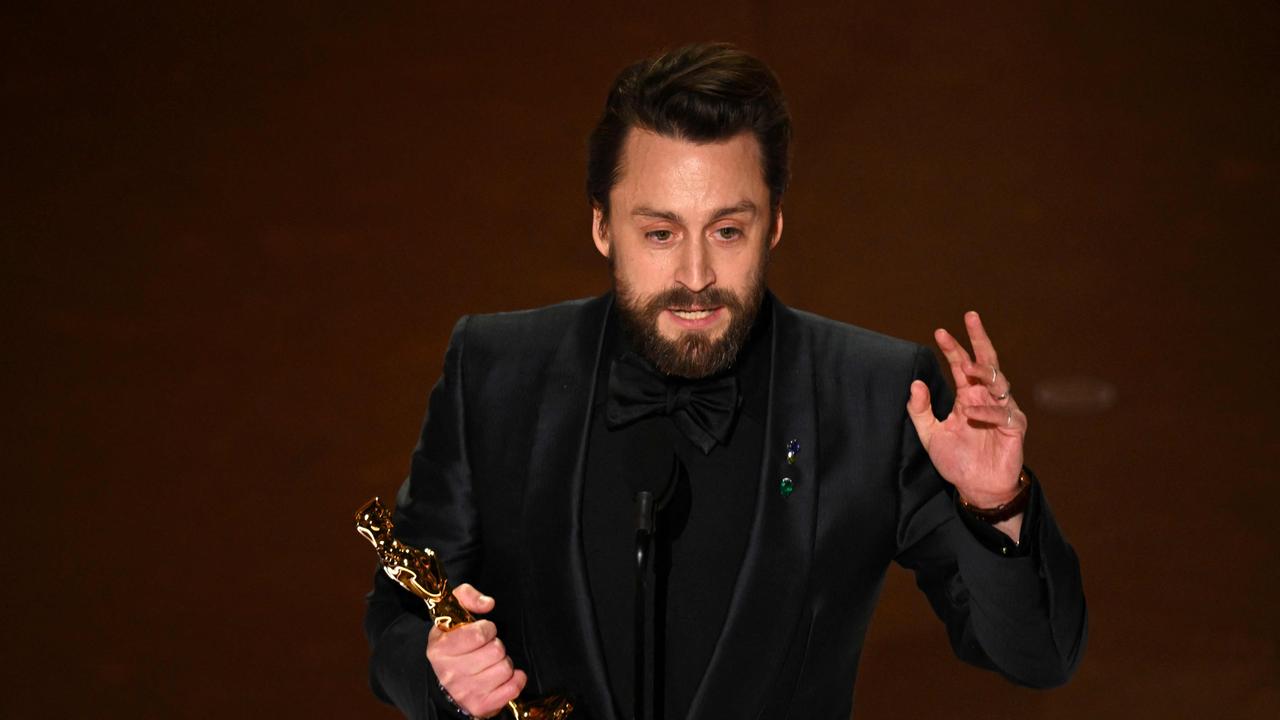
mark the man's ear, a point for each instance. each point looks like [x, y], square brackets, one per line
[600, 230]
[777, 229]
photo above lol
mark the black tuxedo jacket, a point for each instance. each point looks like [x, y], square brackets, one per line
[496, 488]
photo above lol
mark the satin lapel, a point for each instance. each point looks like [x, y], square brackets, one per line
[770, 592]
[559, 619]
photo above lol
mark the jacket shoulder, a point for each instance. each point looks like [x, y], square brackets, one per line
[530, 328]
[525, 339]
[841, 341]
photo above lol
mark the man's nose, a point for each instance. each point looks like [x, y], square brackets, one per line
[695, 271]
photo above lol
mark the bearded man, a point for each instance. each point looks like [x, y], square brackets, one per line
[809, 455]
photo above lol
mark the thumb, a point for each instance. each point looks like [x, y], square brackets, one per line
[921, 411]
[472, 599]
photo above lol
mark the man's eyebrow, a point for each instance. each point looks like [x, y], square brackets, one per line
[646, 211]
[746, 206]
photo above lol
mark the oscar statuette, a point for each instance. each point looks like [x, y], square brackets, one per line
[420, 572]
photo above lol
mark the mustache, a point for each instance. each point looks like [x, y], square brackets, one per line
[684, 297]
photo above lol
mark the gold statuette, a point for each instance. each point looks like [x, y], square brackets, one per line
[420, 572]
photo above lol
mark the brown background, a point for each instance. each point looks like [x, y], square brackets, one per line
[235, 241]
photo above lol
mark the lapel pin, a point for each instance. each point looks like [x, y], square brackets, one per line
[787, 485]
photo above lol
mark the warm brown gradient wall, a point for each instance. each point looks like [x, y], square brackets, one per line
[234, 242]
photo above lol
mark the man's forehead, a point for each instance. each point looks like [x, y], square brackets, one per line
[657, 170]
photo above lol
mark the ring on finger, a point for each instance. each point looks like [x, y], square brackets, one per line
[1003, 396]
[1008, 420]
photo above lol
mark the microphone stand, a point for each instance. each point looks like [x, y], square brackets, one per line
[646, 624]
[644, 543]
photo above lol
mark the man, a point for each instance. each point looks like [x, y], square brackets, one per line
[809, 455]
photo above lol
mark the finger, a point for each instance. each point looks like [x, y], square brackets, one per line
[921, 411]
[487, 657]
[469, 688]
[475, 672]
[998, 416]
[461, 640]
[955, 354]
[472, 599]
[496, 699]
[981, 373]
[485, 693]
[989, 376]
[983, 351]
[1018, 415]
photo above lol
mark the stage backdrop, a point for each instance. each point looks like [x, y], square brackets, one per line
[234, 242]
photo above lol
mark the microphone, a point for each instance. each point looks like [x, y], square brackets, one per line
[672, 503]
[644, 512]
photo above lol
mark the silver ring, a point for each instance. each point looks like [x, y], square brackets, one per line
[1009, 417]
[1003, 396]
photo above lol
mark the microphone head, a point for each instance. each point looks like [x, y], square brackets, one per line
[644, 511]
[668, 495]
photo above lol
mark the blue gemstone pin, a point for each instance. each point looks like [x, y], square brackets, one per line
[788, 486]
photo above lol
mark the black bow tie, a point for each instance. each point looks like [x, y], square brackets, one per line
[703, 410]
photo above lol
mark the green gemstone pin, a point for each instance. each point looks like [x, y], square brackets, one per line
[788, 486]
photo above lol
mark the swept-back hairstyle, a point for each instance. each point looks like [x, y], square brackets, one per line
[700, 93]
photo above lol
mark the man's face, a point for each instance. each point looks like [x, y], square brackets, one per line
[687, 241]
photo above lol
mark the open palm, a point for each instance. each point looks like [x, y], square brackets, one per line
[978, 447]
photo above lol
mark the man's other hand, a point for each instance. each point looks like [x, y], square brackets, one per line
[471, 662]
[978, 447]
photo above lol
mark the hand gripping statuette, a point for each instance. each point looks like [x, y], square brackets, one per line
[420, 572]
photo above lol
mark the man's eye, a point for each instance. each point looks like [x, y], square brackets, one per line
[729, 233]
[658, 235]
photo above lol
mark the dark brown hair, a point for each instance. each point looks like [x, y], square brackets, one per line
[701, 93]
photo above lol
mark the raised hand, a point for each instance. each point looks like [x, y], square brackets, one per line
[471, 662]
[978, 447]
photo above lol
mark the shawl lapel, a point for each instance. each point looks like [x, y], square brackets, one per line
[558, 616]
[772, 586]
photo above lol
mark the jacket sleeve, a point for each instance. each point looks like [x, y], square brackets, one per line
[1021, 614]
[434, 509]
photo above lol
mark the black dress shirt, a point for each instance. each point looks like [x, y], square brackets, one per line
[706, 523]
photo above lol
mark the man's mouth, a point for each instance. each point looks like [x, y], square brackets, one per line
[693, 314]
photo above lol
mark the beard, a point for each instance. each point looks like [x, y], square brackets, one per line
[693, 354]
